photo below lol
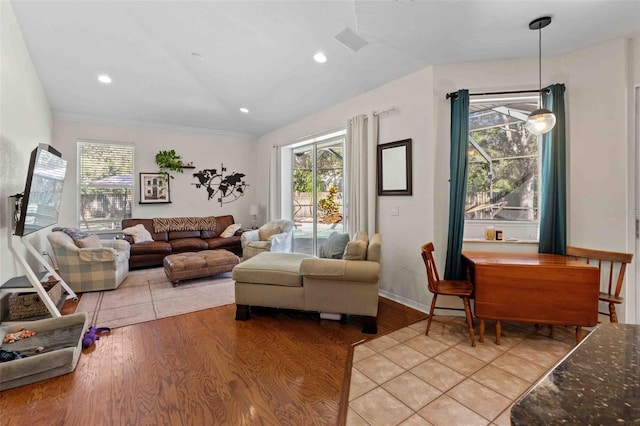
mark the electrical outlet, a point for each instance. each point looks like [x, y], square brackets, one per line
[395, 211]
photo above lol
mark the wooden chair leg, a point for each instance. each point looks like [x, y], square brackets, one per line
[433, 306]
[551, 329]
[467, 311]
[481, 330]
[498, 331]
[613, 317]
[578, 334]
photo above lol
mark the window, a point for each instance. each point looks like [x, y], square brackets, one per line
[502, 179]
[105, 177]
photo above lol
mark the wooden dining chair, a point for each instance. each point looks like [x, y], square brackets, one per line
[612, 266]
[461, 288]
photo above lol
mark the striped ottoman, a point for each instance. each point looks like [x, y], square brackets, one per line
[184, 266]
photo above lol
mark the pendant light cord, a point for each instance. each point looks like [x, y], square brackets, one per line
[540, 63]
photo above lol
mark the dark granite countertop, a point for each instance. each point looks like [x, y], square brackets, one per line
[597, 383]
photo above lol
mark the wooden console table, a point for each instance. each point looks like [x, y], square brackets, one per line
[533, 287]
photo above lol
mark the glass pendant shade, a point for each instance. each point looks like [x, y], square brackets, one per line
[540, 121]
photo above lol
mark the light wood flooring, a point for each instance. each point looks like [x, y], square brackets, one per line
[205, 368]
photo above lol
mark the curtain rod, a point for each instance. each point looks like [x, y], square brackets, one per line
[391, 109]
[512, 92]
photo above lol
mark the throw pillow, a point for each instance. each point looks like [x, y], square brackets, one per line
[231, 230]
[139, 233]
[266, 233]
[92, 241]
[335, 245]
[355, 250]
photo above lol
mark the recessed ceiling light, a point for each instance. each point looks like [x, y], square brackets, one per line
[244, 110]
[320, 57]
[105, 79]
[197, 56]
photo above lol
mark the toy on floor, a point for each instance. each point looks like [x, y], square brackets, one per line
[91, 335]
[21, 333]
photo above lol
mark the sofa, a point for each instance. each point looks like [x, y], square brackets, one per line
[102, 265]
[304, 282]
[168, 240]
[274, 236]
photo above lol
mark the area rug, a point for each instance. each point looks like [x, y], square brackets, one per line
[147, 294]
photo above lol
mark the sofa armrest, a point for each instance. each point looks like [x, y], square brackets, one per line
[340, 270]
[116, 244]
[104, 254]
[249, 236]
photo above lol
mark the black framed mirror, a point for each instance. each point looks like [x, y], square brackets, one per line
[394, 168]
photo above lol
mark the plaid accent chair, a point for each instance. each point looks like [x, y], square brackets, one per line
[90, 269]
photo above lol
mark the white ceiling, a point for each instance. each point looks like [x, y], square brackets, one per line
[258, 54]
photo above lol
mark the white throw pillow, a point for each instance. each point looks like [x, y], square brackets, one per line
[139, 233]
[231, 230]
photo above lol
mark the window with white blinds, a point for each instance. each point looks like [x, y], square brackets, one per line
[105, 190]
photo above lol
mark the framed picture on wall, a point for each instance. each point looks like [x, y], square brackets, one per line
[394, 168]
[154, 188]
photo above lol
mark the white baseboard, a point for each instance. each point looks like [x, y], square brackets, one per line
[415, 305]
[404, 301]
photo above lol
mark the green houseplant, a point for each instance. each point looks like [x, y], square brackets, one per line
[169, 161]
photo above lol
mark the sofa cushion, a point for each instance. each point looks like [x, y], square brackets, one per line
[152, 247]
[214, 243]
[334, 247]
[271, 268]
[174, 235]
[92, 241]
[188, 244]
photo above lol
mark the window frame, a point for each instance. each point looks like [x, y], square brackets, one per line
[80, 186]
[520, 230]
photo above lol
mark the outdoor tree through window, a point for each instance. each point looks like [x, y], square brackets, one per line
[502, 180]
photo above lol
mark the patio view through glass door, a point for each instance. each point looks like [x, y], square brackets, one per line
[318, 192]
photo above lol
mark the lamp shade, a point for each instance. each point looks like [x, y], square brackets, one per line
[541, 121]
[253, 210]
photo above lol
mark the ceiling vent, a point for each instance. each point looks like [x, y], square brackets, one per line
[351, 40]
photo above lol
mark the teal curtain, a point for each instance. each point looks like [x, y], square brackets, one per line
[454, 268]
[553, 180]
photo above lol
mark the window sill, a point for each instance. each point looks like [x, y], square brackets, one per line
[506, 241]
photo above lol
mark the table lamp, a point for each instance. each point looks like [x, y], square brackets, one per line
[253, 212]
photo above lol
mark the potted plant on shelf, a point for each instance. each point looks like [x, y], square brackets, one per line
[169, 161]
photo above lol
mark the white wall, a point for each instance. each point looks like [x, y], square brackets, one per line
[597, 114]
[402, 269]
[25, 121]
[204, 150]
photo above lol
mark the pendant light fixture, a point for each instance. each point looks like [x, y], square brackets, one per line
[541, 120]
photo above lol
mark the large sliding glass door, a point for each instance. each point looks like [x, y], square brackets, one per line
[318, 191]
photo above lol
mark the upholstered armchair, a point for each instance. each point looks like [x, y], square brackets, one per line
[101, 267]
[275, 236]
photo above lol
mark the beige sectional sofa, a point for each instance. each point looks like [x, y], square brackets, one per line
[304, 282]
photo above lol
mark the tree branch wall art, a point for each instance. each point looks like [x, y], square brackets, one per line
[226, 188]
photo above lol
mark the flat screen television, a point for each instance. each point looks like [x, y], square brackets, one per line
[40, 202]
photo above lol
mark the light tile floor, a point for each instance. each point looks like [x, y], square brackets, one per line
[407, 378]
